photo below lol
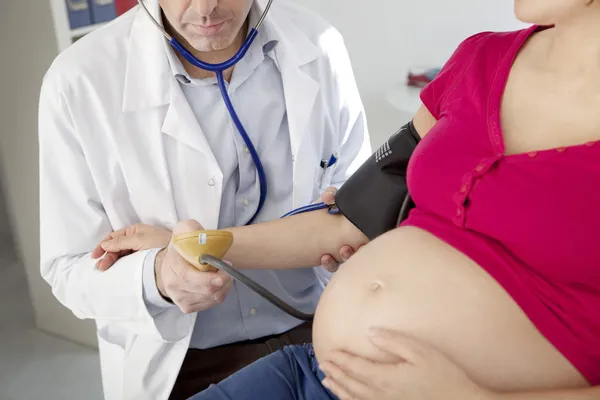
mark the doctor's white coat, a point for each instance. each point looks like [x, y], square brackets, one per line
[118, 145]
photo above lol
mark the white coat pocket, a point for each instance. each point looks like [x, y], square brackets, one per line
[327, 177]
[325, 173]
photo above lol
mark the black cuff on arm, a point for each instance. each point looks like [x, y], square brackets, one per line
[373, 197]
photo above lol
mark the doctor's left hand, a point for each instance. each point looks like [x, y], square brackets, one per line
[128, 240]
[328, 261]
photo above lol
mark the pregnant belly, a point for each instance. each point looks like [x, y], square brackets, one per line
[408, 280]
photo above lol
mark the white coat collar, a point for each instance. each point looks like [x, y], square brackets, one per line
[262, 47]
[149, 78]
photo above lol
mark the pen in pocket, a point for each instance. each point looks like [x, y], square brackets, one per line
[328, 163]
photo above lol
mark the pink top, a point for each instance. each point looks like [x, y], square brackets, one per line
[531, 220]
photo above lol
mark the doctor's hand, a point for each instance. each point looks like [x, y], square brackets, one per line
[180, 282]
[420, 372]
[329, 262]
[128, 240]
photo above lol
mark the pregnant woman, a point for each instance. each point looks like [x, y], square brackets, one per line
[498, 264]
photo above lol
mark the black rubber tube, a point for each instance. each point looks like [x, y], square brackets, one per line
[258, 289]
[407, 205]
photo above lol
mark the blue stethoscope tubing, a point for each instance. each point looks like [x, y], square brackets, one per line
[219, 69]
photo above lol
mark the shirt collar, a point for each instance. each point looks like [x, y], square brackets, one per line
[265, 41]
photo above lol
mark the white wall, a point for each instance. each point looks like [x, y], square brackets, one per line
[27, 46]
[386, 37]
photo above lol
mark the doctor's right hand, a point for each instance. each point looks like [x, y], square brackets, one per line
[181, 283]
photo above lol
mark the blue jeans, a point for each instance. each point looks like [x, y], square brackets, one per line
[288, 374]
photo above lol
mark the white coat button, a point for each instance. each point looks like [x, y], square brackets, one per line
[211, 182]
[246, 149]
[253, 311]
[246, 202]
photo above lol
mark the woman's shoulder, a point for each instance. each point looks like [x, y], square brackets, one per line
[472, 65]
[490, 45]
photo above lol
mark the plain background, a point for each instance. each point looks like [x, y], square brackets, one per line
[384, 37]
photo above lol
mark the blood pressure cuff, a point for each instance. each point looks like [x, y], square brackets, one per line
[374, 196]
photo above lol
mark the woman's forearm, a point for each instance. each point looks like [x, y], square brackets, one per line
[298, 241]
[570, 394]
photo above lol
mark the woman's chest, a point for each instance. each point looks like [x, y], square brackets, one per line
[540, 112]
[543, 206]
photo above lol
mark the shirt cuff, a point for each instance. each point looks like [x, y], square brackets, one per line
[155, 303]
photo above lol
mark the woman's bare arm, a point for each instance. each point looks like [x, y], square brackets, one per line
[423, 121]
[298, 241]
[295, 242]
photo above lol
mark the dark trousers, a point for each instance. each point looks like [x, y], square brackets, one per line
[201, 368]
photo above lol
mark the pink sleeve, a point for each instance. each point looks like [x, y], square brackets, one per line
[436, 92]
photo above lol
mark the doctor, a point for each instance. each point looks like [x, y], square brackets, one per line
[130, 132]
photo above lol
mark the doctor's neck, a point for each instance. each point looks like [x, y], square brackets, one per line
[212, 56]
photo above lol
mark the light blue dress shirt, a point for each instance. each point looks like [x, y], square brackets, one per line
[256, 91]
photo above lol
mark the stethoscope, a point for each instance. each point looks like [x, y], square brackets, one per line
[219, 69]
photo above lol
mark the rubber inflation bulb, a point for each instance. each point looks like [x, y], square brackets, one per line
[193, 245]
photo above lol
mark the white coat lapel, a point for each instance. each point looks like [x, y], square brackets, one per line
[300, 89]
[181, 123]
[152, 91]
[145, 94]
[195, 200]
[300, 92]
[149, 83]
[294, 53]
